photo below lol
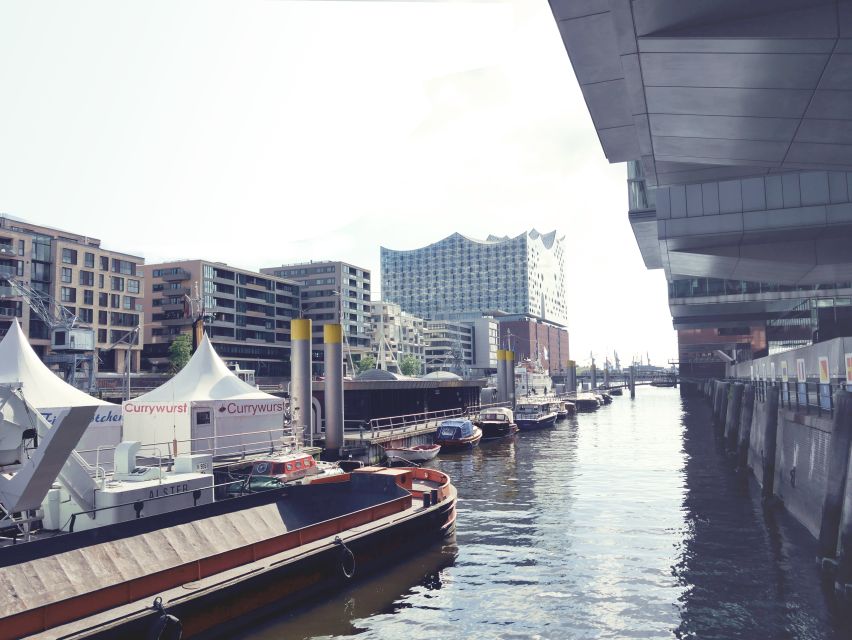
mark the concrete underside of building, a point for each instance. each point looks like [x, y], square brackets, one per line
[736, 121]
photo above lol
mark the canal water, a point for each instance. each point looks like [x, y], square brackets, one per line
[625, 523]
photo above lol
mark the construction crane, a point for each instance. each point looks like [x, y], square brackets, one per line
[72, 344]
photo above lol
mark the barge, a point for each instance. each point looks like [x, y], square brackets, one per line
[199, 570]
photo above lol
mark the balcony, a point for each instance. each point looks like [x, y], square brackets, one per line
[177, 276]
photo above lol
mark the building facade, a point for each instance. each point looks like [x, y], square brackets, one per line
[333, 292]
[396, 334]
[247, 314]
[449, 347]
[520, 275]
[103, 288]
[536, 340]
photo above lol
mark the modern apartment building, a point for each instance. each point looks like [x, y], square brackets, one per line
[103, 288]
[333, 292]
[396, 334]
[449, 346]
[247, 314]
[520, 275]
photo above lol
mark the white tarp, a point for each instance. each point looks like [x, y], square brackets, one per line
[52, 396]
[206, 403]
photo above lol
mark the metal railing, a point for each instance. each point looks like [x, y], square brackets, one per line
[810, 396]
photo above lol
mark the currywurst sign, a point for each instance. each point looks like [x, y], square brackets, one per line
[254, 408]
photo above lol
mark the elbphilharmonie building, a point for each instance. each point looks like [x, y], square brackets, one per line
[524, 275]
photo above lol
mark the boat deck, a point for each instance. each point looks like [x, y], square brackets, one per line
[82, 628]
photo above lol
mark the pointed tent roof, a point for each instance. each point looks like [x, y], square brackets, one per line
[42, 388]
[205, 377]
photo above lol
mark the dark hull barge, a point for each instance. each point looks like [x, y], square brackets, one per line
[211, 565]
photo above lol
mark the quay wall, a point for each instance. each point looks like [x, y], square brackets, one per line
[801, 465]
[801, 460]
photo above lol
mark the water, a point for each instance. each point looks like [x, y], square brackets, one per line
[626, 523]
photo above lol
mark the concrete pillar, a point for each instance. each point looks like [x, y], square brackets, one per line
[838, 466]
[732, 416]
[510, 377]
[332, 335]
[632, 383]
[594, 376]
[770, 441]
[746, 416]
[722, 415]
[300, 374]
[502, 395]
[606, 376]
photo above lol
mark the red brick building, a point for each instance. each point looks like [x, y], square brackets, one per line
[536, 339]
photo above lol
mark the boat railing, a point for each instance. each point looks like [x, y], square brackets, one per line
[224, 445]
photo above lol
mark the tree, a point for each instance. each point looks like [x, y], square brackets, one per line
[409, 365]
[180, 350]
[366, 362]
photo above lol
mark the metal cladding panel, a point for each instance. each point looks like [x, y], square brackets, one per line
[729, 101]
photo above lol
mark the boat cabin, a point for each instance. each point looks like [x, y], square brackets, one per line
[455, 429]
[497, 414]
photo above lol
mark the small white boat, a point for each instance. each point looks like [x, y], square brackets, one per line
[419, 453]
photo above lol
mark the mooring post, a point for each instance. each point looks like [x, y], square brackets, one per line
[502, 394]
[333, 343]
[301, 397]
[836, 489]
[746, 417]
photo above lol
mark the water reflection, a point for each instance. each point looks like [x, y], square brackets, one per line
[625, 523]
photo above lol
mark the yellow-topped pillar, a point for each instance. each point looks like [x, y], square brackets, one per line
[502, 395]
[301, 397]
[510, 377]
[333, 344]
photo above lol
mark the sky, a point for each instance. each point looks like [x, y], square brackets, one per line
[265, 132]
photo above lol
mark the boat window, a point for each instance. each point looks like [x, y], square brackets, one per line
[202, 417]
[261, 468]
[298, 464]
[289, 467]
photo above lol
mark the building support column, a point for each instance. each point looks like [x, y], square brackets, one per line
[770, 441]
[746, 416]
[732, 416]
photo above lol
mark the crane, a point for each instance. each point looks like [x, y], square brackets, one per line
[72, 344]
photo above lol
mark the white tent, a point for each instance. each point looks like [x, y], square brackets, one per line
[205, 408]
[52, 396]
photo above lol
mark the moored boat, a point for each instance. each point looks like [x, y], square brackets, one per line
[534, 415]
[271, 472]
[616, 391]
[495, 423]
[210, 568]
[587, 402]
[418, 453]
[458, 433]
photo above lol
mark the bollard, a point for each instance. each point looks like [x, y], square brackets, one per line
[300, 375]
[836, 487]
[770, 438]
[746, 417]
[732, 415]
[333, 343]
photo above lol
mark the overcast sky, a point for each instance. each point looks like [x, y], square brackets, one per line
[258, 133]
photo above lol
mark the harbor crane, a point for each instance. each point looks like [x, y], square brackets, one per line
[72, 343]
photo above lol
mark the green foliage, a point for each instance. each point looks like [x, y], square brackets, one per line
[366, 362]
[180, 351]
[409, 365]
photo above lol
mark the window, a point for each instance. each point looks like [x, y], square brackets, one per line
[102, 317]
[116, 283]
[100, 280]
[202, 417]
[68, 294]
[86, 278]
[20, 247]
[104, 263]
[123, 266]
[103, 299]
[66, 275]
[69, 256]
[89, 260]
[132, 286]
[102, 335]
[88, 296]
[129, 302]
[86, 315]
[115, 301]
